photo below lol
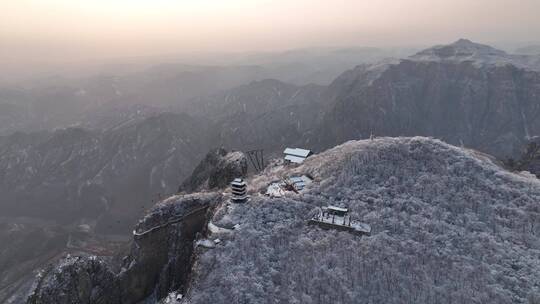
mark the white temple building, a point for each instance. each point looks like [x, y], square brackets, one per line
[296, 155]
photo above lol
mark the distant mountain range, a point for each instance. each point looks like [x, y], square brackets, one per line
[136, 90]
[464, 93]
[102, 101]
[529, 50]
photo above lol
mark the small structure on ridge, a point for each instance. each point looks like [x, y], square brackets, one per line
[338, 218]
[296, 155]
[239, 190]
[300, 182]
[294, 183]
[276, 189]
[333, 210]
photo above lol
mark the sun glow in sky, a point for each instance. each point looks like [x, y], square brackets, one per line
[71, 28]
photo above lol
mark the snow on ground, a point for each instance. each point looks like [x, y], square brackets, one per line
[448, 226]
[213, 229]
[481, 55]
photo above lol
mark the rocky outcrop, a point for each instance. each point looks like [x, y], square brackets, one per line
[464, 93]
[529, 159]
[216, 170]
[84, 280]
[159, 260]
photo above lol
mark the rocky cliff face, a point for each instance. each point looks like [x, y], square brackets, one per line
[102, 179]
[159, 260]
[529, 160]
[216, 170]
[464, 93]
[82, 280]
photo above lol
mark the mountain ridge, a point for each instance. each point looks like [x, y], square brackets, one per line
[405, 188]
[489, 107]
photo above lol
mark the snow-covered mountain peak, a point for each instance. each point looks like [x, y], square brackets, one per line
[467, 47]
[465, 50]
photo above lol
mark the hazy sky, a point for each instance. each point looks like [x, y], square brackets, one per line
[75, 29]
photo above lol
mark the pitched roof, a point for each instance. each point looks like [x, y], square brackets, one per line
[338, 209]
[295, 159]
[238, 182]
[297, 152]
[296, 179]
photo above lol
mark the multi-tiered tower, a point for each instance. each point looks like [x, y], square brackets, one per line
[239, 190]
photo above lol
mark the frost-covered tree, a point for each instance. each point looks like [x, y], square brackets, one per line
[449, 226]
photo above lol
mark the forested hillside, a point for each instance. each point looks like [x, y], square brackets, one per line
[449, 226]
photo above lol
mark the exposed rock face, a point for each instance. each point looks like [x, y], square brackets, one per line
[529, 159]
[216, 170]
[105, 178]
[85, 280]
[464, 93]
[159, 261]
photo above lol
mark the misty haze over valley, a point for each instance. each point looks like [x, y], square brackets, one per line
[269, 152]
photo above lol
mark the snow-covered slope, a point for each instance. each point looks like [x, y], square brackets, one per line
[481, 55]
[449, 226]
